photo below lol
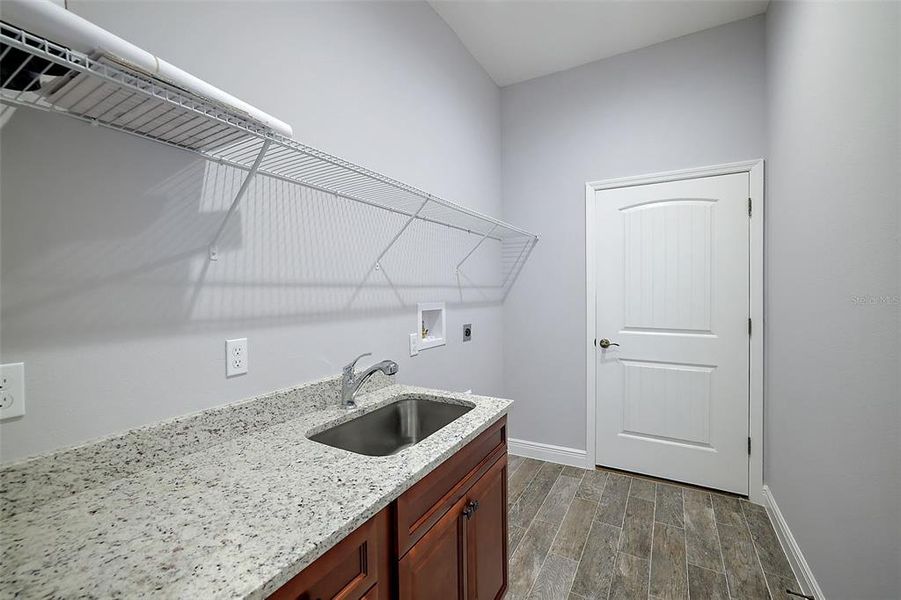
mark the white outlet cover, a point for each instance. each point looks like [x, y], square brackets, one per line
[235, 357]
[12, 390]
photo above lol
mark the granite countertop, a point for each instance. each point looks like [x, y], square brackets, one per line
[230, 503]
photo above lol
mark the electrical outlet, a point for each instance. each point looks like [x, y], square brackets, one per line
[235, 357]
[467, 332]
[414, 344]
[12, 390]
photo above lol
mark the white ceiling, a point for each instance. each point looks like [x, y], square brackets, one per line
[517, 40]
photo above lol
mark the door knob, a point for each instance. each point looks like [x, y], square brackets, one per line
[605, 343]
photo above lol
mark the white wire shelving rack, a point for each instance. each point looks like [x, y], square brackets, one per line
[40, 74]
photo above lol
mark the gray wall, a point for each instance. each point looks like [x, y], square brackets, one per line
[106, 293]
[832, 392]
[690, 102]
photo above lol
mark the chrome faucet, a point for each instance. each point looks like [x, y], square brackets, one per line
[351, 382]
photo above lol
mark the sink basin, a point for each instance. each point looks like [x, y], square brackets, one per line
[392, 428]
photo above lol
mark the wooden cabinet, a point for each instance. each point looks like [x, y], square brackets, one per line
[435, 567]
[443, 539]
[486, 541]
[464, 555]
[454, 522]
[420, 507]
[358, 567]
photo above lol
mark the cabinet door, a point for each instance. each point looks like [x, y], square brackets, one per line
[420, 507]
[435, 567]
[487, 534]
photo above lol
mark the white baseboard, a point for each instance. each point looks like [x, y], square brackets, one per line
[548, 452]
[792, 550]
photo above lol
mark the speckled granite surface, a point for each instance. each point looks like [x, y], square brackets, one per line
[229, 503]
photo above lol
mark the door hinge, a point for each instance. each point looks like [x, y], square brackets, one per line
[749, 207]
[749, 325]
[749, 446]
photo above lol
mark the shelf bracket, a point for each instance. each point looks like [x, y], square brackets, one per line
[377, 265]
[214, 251]
[476, 247]
[520, 260]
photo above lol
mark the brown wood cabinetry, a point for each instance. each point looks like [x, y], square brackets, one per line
[464, 555]
[486, 541]
[358, 567]
[423, 504]
[444, 538]
[435, 568]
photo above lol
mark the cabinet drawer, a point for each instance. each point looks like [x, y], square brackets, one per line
[354, 567]
[420, 507]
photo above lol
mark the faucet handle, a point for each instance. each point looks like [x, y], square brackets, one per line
[353, 363]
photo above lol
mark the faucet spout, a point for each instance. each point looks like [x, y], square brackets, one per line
[351, 381]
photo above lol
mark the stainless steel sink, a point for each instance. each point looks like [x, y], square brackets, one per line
[392, 428]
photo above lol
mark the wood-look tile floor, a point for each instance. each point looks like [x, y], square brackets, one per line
[598, 535]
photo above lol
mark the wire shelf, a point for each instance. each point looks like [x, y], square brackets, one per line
[38, 73]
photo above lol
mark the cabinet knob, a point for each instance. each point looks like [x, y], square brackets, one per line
[471, 508]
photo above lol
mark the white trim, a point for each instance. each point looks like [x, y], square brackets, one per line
[561, 455]
[591, 329]
[712, 171]
[755, 404]
[755, 170]
[790, 546]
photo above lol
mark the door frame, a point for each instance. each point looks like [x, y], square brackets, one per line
[755, 170]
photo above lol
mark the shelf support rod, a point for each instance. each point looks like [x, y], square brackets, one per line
[377, 264]
[476, 247]
[526, 250]
[214, 252]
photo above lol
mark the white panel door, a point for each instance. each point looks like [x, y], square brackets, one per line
[673, 291]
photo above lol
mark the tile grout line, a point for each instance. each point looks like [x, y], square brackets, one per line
[534, 519]
[653, 529]
[744, 518]
[556, 533]
[685, 543]
[635, 555]
[590, 527]
[529, 524]
[549, 495]
[517, 467]
[622, 526]
[529, 482]
[525, 532]
[705, 568]
[519, 545]
[528, 486]
[719, 541]
[581, 477]
[765, 572]
[600, 496]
